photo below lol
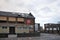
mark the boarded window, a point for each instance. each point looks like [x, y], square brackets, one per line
[3, 18]
[12, 19]
[20, 19]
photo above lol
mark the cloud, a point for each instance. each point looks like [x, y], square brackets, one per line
[45, 11]
[11, 6]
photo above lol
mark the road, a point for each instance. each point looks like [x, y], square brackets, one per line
[43, 36]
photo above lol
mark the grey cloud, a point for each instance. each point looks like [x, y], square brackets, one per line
[6, 0]
[44, 1]
[46, 9]
[50, 1]
[58, 4]
[20, 5]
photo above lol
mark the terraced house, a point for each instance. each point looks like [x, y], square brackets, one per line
[16, 23]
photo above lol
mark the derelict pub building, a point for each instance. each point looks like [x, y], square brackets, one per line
[14, 23]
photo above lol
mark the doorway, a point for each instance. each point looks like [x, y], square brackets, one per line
[11, 30]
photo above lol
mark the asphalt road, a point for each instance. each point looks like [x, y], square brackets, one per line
[43, 36]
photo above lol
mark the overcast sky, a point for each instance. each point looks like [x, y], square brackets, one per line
[45, 11]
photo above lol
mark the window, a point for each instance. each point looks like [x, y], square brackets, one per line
[11, 19]
[25, 27]
[58, 28]
[55, 29]
[47, 29]
[50, 28]
[4, 27]
[20, 27]
[30, 28]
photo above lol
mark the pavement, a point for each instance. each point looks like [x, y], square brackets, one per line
[43, 36]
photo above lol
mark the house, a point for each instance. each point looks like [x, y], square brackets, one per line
[16, 23]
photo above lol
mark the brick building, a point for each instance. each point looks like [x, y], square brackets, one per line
[16, 23]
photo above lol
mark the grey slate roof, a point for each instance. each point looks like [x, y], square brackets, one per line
[14, 14]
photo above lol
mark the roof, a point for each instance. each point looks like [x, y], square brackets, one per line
[14, 14]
